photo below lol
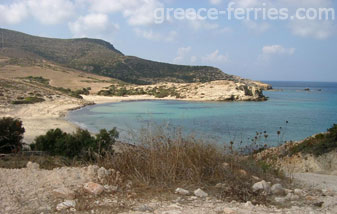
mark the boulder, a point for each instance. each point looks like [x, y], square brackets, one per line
[277, 189]
[262, 186]
[182, 191]
[64, 193]
[66, 205]
[200, 193]
[93, 188]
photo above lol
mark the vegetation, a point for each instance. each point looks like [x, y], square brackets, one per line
[11, 135]
[100, 57]
[122, 91]
[318, 145]
[167, 161]
[76, 94]
[160, 92]
[79, 144]
[38, 79]
[28, 100]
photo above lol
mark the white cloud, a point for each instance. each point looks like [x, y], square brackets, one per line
[215, 2]
[216, 58]
[248, 3]
[46, 11]
[137, 12]
[277, 49]
[182, 54]
[91, 25]
[13, 13]
[257, 27]
[155, 36]
[51, 11]
[312, 29]
[202, 25]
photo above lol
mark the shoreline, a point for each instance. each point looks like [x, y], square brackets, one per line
[40, 117]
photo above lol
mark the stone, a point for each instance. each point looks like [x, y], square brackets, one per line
[182, 191]
[292, 197]
[64, 193]
[248, 204]
[277, 189]
[92, 171]
[261, 186]
[33, 166]
[298, 192]
[200, 193]
[256, 178]
[243, 172]
[229, 211]
[327, 192]
[280, 200]
[225, 165]
[144, 208]
[66, 205]
[93, 188]
[220, 185]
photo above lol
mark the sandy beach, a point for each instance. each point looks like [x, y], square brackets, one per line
[39, 118]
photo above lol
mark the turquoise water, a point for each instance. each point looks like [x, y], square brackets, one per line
[293, 111]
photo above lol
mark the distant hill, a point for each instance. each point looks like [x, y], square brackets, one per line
[102, 58]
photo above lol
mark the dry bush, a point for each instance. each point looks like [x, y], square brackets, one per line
[167, 161]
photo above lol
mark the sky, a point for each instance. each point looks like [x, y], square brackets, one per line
[284, 50]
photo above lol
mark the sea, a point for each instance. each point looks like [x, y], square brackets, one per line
[290, 114]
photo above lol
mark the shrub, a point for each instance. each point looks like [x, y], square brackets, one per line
[28, 100]
[38, 79]
[79, 144]
[318, 145]
[11, 135]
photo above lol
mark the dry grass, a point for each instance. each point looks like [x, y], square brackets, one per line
[165, 162]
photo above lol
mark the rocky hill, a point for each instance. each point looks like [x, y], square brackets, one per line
[102, 58]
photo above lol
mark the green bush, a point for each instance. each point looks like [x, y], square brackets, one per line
[28, 100]
[79, 144]
[11, 135]
[318, 145]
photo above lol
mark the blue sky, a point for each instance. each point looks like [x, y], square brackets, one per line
[262, 50]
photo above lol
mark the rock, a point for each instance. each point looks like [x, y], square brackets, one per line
[229, 211]
[33, 166]
[66, 205]
[200, 193]
[220, 185]
[225, 165]
[182, 191]
[93, 188]
[319, 204]
[277, 189]
[292, 197]
[248, 204]
[298, 192]
[327, 192]
[243, 172]
[256, 178]
[280, 200]
[261, 186]
[64, 193]
[110, 188]
[92, 171]
[102, 174]
[144, 208]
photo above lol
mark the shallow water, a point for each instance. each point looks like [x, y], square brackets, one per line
[307, 113]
